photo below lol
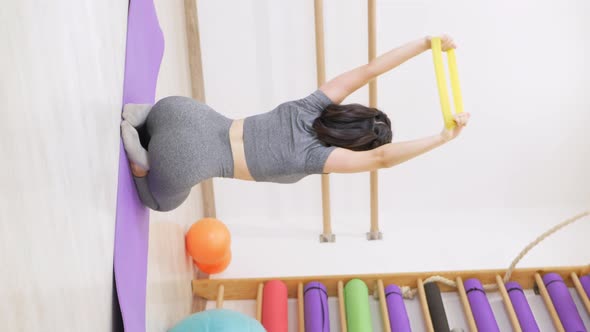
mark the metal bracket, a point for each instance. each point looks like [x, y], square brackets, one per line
[327, 238]
[374, 236]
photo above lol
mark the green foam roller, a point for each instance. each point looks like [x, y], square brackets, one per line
[356, 300]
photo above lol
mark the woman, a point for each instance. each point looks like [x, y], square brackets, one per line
[188, 142]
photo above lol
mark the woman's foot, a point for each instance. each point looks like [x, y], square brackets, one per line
[135, 151]
[137, 171]
[136, 114]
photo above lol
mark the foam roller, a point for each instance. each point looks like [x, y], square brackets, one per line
[480, 306]
[563, 302]
[585, 281]
[274, 306]
[398, 316]
[218, 320]
[317, 316]
[436, 307]
[526, 319]
[356, 300]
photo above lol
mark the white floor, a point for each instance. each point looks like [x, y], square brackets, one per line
[61, 69]
[62, 76]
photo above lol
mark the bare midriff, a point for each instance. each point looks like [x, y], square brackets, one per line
[236, 138]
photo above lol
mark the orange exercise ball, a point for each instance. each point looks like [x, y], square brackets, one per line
[215, 268]
[208, 241]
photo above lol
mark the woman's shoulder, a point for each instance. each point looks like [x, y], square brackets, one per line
[316, 101]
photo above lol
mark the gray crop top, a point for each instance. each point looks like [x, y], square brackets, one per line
[281, 146]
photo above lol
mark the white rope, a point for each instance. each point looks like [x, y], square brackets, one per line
[409, 293]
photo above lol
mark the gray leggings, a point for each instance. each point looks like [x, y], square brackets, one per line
[187, 142]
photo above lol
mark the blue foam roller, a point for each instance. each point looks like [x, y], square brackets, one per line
[218, 320]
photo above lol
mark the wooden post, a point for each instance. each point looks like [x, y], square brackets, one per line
[220, 297]
[198, 88]
[327, 235]
[383, 305]
[259, 302]
[300, 308]
[342, 307]
[508, 305]
[374, 233]
[424, 304]
[319, 42]
[548, 303]
[466, 306]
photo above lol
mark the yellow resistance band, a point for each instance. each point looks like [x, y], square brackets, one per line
[442, 84]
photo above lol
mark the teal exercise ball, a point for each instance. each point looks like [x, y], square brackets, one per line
[218, 320]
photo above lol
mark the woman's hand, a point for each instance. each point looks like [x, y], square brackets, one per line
[460, 122]
[446, 41]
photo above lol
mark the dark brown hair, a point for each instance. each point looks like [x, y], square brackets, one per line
[353, 126]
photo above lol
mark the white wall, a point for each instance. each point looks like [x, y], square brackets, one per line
[519, 167]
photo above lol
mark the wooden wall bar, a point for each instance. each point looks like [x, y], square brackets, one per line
[240, 289]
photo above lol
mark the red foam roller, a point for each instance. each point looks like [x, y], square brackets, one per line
[274, 307]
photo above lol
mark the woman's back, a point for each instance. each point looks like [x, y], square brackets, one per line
[281, 146]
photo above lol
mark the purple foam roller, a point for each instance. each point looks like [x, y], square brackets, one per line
[563, 302]
[526, 319]
[585, 281]
[398, 316]
[480, 306]
[317, 318]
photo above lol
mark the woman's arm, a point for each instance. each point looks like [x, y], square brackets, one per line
[389, 155]
[385, 156]
[343, 85]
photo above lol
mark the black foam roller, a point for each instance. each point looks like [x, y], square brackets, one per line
[436, 307]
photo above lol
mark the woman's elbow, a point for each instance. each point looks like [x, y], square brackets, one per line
[382, 160]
